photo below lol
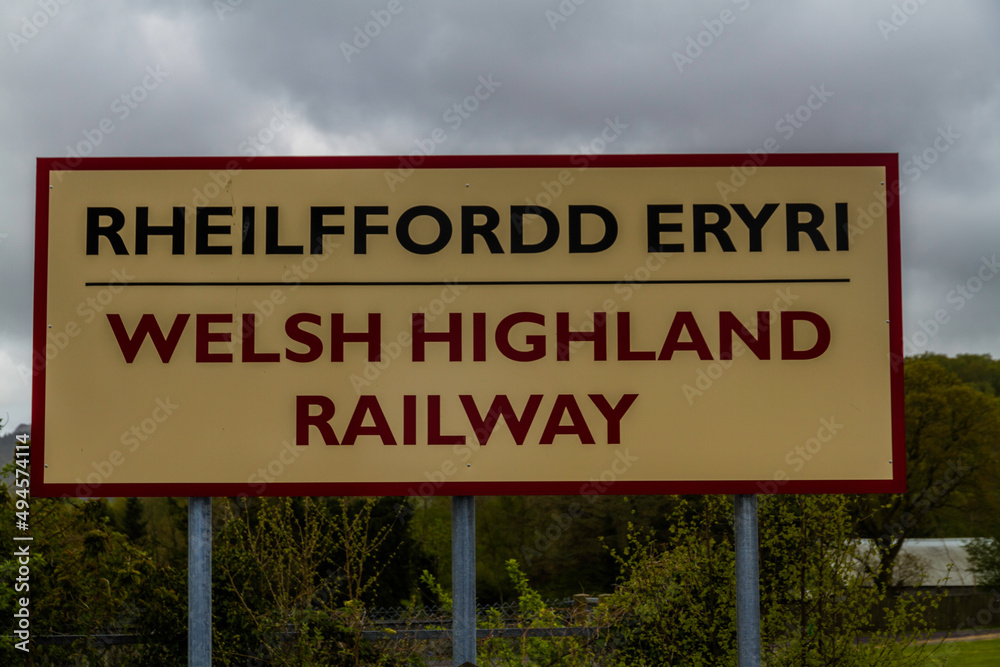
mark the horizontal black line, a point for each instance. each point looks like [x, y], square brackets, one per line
[438, 283]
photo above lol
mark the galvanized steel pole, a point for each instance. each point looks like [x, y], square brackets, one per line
[747, 582]
[463, 578]
[199, 582]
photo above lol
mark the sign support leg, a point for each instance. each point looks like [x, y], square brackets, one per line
[747, 582]
[463, 578]
[199, 582]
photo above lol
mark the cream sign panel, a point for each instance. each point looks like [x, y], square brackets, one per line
[469, 325]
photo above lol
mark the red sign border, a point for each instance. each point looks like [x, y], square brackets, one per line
[889, 161]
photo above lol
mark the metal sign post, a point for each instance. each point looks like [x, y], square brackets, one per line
[747, 582]
[199, 582]
[463, 579]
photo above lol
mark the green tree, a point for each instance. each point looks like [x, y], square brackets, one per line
[984, 556]
[166, 530]
[675, 603]
[952, 431]
[820, 607]
[559, 541]
[978, 370]
[86, 578]
[291, 579]
[397, 550]
[134, 520]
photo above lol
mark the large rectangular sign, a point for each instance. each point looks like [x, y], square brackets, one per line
[468, 325]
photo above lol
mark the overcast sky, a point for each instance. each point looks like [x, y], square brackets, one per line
[918, 78]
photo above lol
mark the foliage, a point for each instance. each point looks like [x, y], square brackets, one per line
[952, 462]
[984, 556]
[397, 551]
[532, 613]
[442, 596]
[818, 604]
[678, 598]
[88, 579]
[291, 577]
[822, 606]
[980, 371]
[559, 541]
[157, 525]
[133, 522]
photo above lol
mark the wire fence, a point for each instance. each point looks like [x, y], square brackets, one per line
[423, 631]
[566, 611]
[502, 628]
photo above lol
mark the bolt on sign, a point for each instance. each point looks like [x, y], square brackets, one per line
[469, 325]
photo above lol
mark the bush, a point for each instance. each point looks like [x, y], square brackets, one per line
[291, 576]
[819, 592]
[984, 556]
